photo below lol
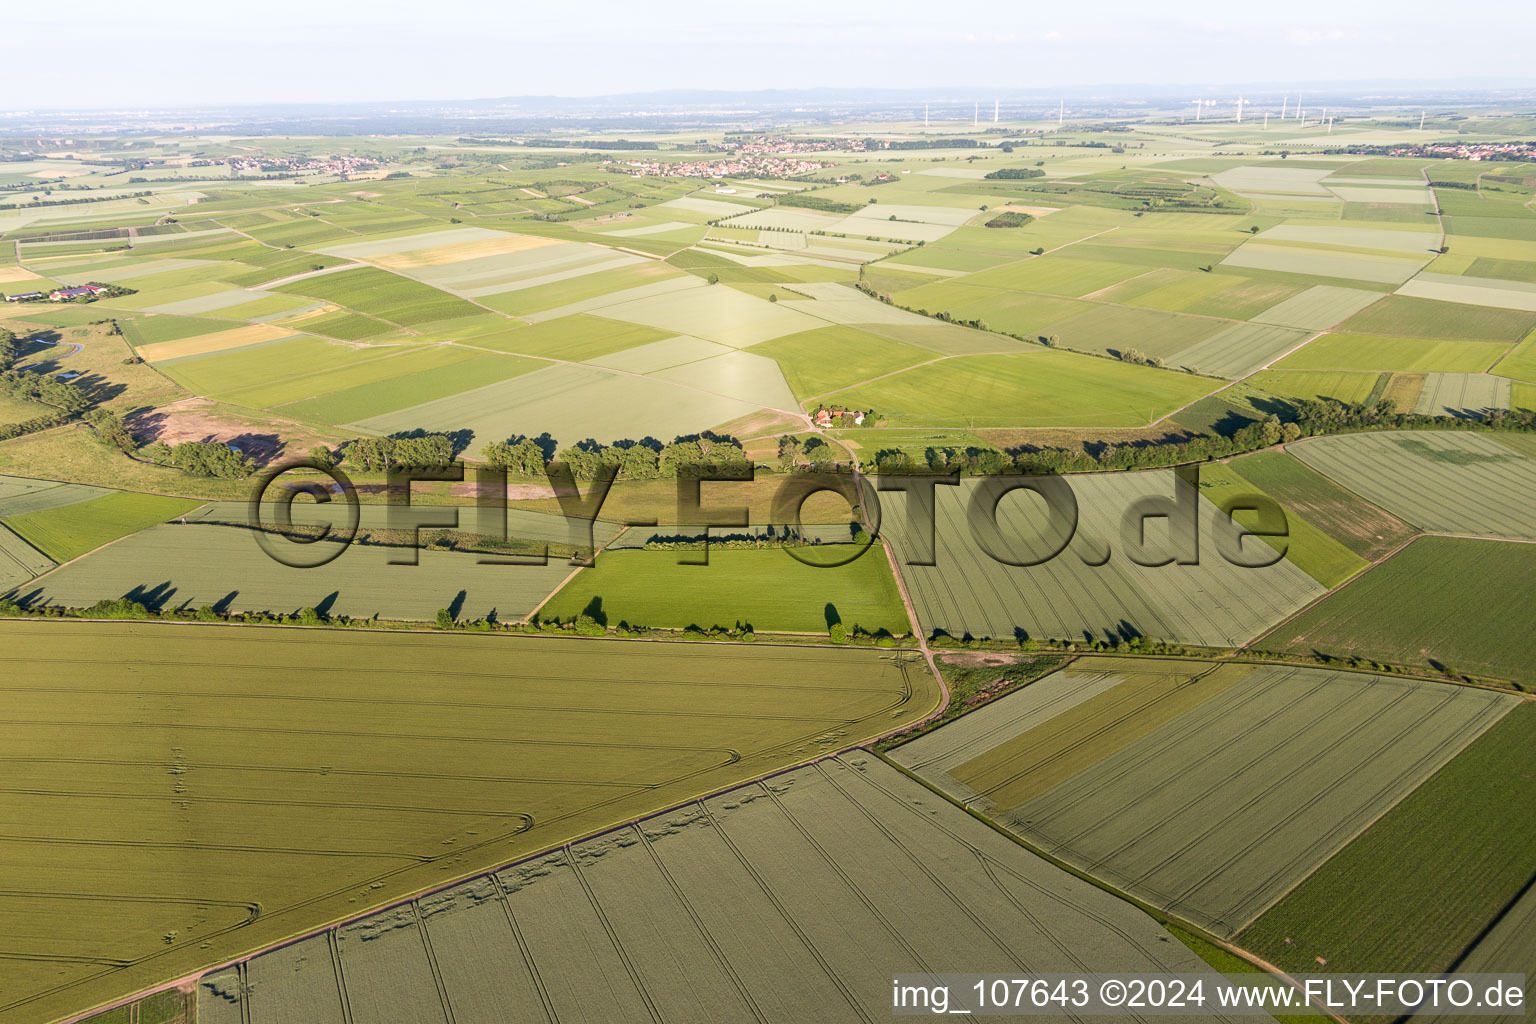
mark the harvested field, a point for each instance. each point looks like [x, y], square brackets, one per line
[1444, 482]
[336, 808]
[1078, 595]
[1218, 813]
[459, 252]
[1444, 603]
[220, 341]
[834, 875]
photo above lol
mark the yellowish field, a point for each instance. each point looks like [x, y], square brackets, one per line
[10, 275]
[192, 793]
[442, 255]
[219, 341]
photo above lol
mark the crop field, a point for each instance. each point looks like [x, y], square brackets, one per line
[387, 296]
[1318, 308]
[1324, 263]
[20, 562]
[937, 755]
[1415, 242]
[1468, 832]
[1443, 482]
[576, 337]
[1475, 291]
[718, 314]
[1361, 527]
[218, 341]
[1114, 329]
[1371, 352]
[571, 403]
[400, 381]
[1055, 275]
[187, 566]
[1308, 548]
[1410, 317]
[767, 589]
[1463, 394]
[69, 531]
[830, 358]
[834, 875]
[1078, 595]
[1239, 350]
[19, 495]
[1448, 603]
[589, 286]
[1219, 810]
[1036, 387]
[225, 374]
[1341, 386]
[301, 800]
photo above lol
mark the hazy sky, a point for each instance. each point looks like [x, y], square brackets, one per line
[107, 53]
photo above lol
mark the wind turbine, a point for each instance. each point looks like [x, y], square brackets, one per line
[1240, 102]
[1266, 119]
[1198, 104]
[925, 115]
[997, 105]
[1061, 114]
[1298, 106]
[1421, 120]
[1284, 104]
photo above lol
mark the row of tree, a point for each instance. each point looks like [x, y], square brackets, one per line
[646, 459]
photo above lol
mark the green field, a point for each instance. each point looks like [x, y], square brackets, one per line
[1358, 525]
[404, 380]
[765, 588]
[69, 531]
[1307, 547]
[304, 799]
[574, 338]
[1440, 481]
[1461, 605]
[1316, 384]
[1077, 595]
[1371, 352]
[1465, 837]
[1218, 813]
[1405, 316]
[187, 566]
[1034, 388]
[387, 296]
[701, 912]
[828, 358]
